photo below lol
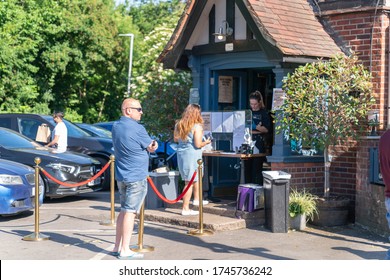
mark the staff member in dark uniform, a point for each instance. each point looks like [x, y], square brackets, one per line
[261, 126]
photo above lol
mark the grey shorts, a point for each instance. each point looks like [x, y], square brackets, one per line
[132, 195]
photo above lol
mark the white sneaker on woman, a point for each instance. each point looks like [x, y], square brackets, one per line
[196, 202]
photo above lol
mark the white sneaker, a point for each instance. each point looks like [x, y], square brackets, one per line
[196, 202]
[189, 212]
[135, 256]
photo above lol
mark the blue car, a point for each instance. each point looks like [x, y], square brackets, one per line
[17, 188]
[165, 155]
[105, 125]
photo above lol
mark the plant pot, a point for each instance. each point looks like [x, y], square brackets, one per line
[298, 222]
[331, 212]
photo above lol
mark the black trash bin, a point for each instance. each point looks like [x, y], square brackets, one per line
[276, 195]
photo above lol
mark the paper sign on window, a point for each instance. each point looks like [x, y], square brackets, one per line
[225, 86]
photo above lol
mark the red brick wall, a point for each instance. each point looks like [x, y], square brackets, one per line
[367, 35]
[355, 29]
[370, 208]
[308, 175]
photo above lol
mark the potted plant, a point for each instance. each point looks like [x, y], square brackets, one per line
[302, 207]
[325, 104]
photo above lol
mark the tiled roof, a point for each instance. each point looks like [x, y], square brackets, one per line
[292, 27]
[289, 25]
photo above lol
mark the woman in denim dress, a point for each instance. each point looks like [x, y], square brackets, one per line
[189, 134]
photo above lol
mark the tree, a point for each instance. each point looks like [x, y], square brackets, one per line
[62, 55]
[19, 46]
[327, 102]
[67, 55]
[163, 92]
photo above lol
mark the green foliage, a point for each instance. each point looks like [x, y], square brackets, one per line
[328, 100]
[66, 55]
[164, 93]
[302, 202]
[19, 45]
[57, 55]
[148, 15]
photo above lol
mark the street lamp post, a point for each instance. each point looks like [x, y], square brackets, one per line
[130, 60]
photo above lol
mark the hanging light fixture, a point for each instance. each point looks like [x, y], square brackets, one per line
[224, 31]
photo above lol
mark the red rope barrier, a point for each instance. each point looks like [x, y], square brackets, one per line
[77, 184]
[179, 197]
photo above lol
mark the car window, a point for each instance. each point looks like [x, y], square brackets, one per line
[105, 125]
[73, 130]
[10, 140]
[29, 127]
[99, 131]
[5, 122]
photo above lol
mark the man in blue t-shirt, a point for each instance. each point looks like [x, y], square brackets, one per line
[131, 146]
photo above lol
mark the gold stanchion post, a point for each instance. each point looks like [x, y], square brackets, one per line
[112, 193]
[200, 231]
[36, 236]
[141, 247]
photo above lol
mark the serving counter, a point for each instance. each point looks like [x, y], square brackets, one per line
[243, 159]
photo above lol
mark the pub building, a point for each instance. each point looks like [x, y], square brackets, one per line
[235, 47]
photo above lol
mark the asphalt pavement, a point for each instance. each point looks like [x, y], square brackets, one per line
[78, 235]
[74, 229]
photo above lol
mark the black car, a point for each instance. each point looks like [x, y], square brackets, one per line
[78, 140]
[67, 167]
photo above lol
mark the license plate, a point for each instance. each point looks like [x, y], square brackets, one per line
[40, 190]
[97, 181]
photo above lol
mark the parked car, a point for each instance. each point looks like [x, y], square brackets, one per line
[67, 167]
[17, 188]
[95, 130]
[165, 155]
[79, 140]
[105, 125]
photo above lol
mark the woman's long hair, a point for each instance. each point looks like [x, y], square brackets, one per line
[190, 116]
[256, 95]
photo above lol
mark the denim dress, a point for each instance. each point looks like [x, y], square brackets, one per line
[187, 156]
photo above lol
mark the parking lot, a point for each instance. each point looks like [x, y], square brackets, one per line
[74, 227]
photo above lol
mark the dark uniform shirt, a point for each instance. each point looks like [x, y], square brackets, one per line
[260, 117]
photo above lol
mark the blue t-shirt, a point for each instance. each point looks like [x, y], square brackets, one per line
[130, 141]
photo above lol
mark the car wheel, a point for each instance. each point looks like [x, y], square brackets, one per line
[107, 174]
[45, 190]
